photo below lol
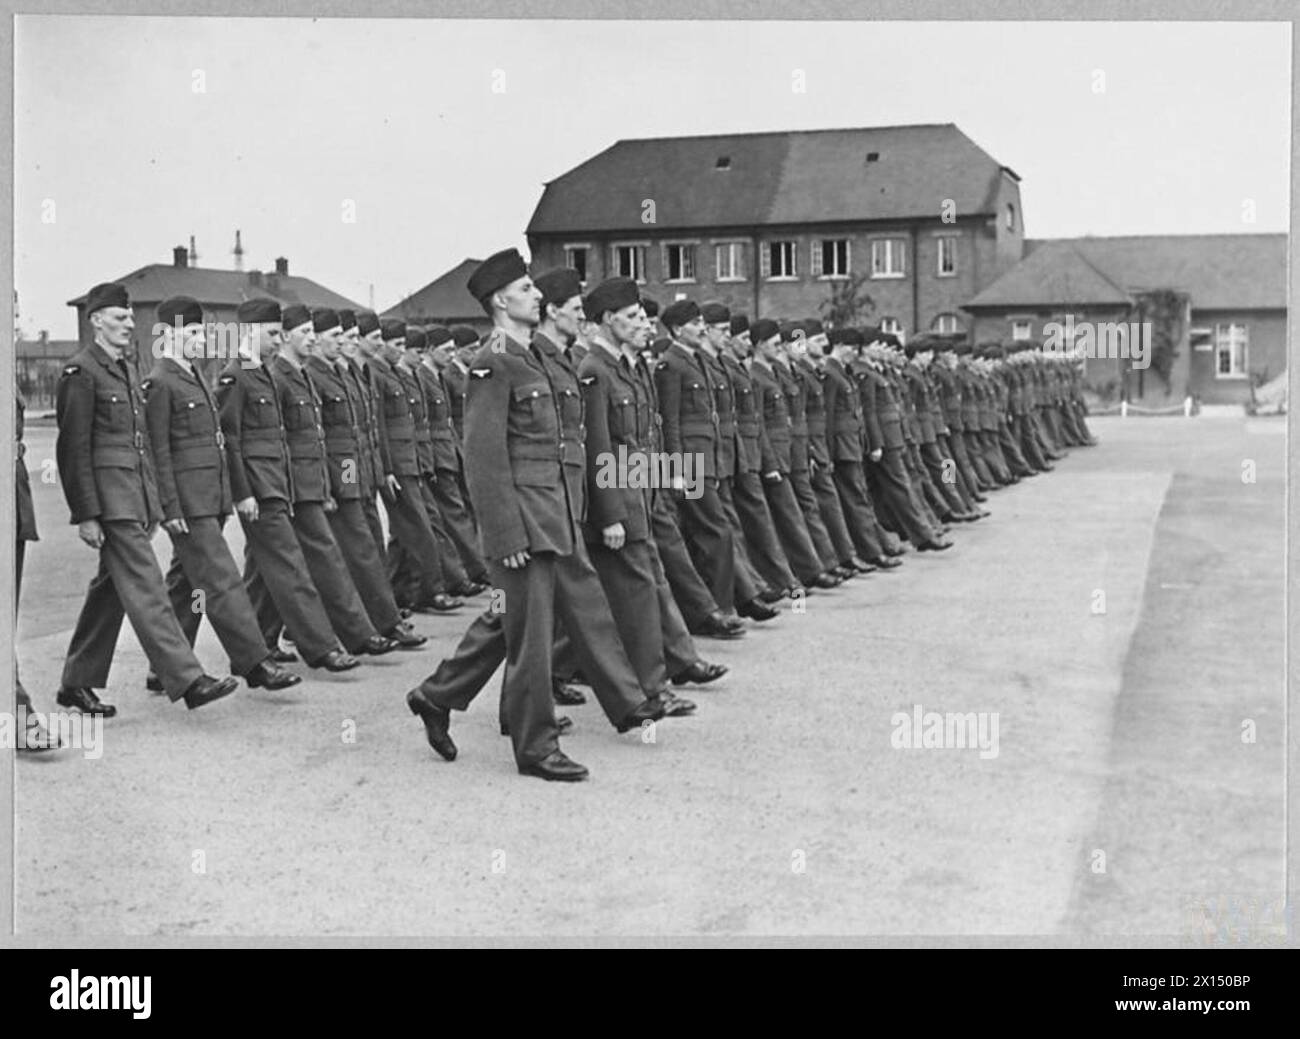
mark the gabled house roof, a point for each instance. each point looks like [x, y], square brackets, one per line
[445, 297]
[1218, 272]
[770, 179]
[158, 281]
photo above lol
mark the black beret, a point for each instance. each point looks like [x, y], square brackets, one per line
[660, 345]
[464, 335]
[259, 311]
[962, 349]
[870, 333]
[611, 294]
[789, 329]
[680, 312]
[183, 310]
[106, 294]
[438, 334]
[415, 339]
[651, 306]
[739, 323]
[812, 327]
[845, 337]
[559, 286]
[392, 328]
[367, 321]
[715, 313]
[763, 329]
[323, 319]
[496, 272]
[294, 315]
[347, 319]
[913, 348]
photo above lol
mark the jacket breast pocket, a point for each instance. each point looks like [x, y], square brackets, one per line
[113, 410]
[533, 401]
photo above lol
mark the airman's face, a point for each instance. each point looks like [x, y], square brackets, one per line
[443, 352]
[349, 343]
[568, 316]
[300, 339]
[114, 325]
[327, 344]
[716, 334]
[770, 349]
[522, 301]
[625, 325]
[692, 333]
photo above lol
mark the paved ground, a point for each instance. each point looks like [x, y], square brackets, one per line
[1122, 618]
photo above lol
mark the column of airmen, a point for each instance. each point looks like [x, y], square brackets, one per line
[820, 455]
[803, 458]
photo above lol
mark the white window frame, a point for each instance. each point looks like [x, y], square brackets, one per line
[894, 327]
[735, 253]
[950, 316]
[570, 248]
[639, 253]
[1010, 214]
[691, 249]
[818, 257]
[790, 251]
[948, 243]
[1016, 326]
[1227, 337]
[889, 257]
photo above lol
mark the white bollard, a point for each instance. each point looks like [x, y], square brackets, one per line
[1123, 409]
[1187, 407]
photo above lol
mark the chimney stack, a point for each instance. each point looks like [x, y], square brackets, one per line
[179, 257]
[239, 253]
[194, 253]
[281, 265]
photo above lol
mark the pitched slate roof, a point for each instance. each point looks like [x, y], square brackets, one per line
[445, 297]
[211, 286]
[790, 177]
[1219, 272]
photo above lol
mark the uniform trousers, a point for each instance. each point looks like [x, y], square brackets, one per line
[129, 582]
[356, 541]
[705, 527]
[792, 530]
[765, 550]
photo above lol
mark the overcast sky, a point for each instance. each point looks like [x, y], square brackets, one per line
[401, 117]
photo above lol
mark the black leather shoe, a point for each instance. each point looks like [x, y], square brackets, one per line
[861, 566]
[405, 637]
[436, 720]
[700, 673]
[268, 675]
[84, 700]
[557, 767]
[375, 646]
[280, 655]
[36, 738]
[567, 695]
[563, 725]
[402, 611]
[887, 563]
[336, 660]
[716, 626]
[645, 711]
[756, 610]
[826, 581]
[467, 590]
[675, 706]
[440, 603]
[768, 596]
[933, 546]
[153, 683]
[204, 689]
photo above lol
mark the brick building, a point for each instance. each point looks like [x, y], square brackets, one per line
[219, 291]
[770, 222]
[1231, 333]
[444, 301]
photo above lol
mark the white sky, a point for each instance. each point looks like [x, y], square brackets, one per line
[400, 116]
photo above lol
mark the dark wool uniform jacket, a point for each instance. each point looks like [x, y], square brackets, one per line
[814, 395]
[792, 387]
[562, 372]
[189, 449]
[749, 421]
[775, 410]
[254, 429]
[724, 397]
[690, 417]
[343, 436]
[303, 432]
[102, 450]
[396, 419]
[619, 413]
[26, 512]
[513, 454]
[437, 405]
[845, 432]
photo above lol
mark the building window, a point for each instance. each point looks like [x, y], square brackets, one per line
[1021, 330]
[830, 258]
[778, 259]
[947, 256]
[945, 323]
[679, 263]
[1011, 217]
[628, 261]
[575, 256]
[888, 258]
[894, 327]
[729, 261]
[1231, 343]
